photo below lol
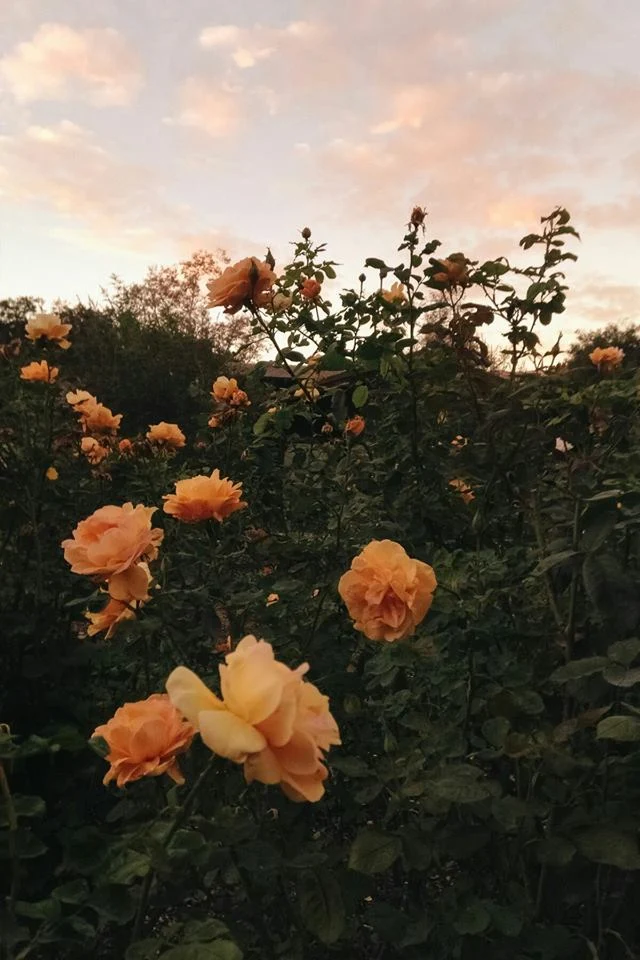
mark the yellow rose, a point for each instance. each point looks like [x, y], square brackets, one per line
[224, 388]
[94, 451]
[247, 282]
[168, 435]
[49, 326]
[386, 592]
[39, 371]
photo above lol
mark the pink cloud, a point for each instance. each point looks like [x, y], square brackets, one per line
[212, 107]
[61, 63]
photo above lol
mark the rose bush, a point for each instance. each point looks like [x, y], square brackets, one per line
[460, 779]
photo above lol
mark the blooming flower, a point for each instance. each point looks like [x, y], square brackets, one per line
[214, 422]
[49, 326]
[454, 270]
[106, 620]
[326, 428]
[354, 426]
[310, 288]
[396, 294]
[269, 718]
[39, 370]
[96, 418]
[77, 397]
[204, 498]
[606, 358]
[168, 435]
[224, 388]
[239, 399]
[52, 473]
[94, 451]
[127, 591]
[112, 539]
[144, 740]
[463, 489]
[459, 442]
[125, 446]
[247, 282]
[387, 593]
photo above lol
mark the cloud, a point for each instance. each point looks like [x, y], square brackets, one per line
[99, 198]
[60, 63]
[215, 108]
[602, 300]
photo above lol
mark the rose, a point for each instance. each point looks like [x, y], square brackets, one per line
[106, 620]
[310, 288]
[269, 719]
[463, 489]
[454, 270]
[224, 388]
[51, 473]
[96, 418]
[144, 740]
[248, 281]
[127, 591]
[354, 426]
[387, 593]
[239, 399]
[204, 498]
[94, 451]
[39, 370]
[606, 358]
[396, 294]
[49, 326]
[166, 434]
[111, 540]
[125, 446]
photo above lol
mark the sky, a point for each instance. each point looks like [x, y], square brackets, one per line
[133, 132]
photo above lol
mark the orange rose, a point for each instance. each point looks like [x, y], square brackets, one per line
[606, 358]
[77, 397]
[463, 489]
[355, 426]
[48, 325]
[106, 620]
[168, 435]
[112, 539]
[127, 591]
[310, 288]
[51, 473]
[272, 598]
[96, 418]
[144, 739]
[39, 371]
[224, 388]
[394, 295]
[245, 282]
[204, 498]
[270, 719]
[387, 593]
[93, 450]
[125, 446]
[454, 270]
[214, 422]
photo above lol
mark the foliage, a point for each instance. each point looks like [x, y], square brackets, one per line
[484, 802]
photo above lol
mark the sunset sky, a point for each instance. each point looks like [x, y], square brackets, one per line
[133, 132]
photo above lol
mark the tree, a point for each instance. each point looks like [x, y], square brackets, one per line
[613, 335]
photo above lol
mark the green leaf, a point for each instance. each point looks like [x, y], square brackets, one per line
[360, 395]
[472, 920]
[321, 904]
[460, 784]
[505, 919]
[576, 669]
[619, 676]
[623, 729]
[202, 931]
[554, 560]
[29, 806]
[127, 866]
[555, 851]
[113, 903]
[598, 529]
[40, 910]
[495, 731]
[613, 847]
[74, 892]
[624, 651]
[375, 263]
[611, 590]
[147, 949]
[218, 950]
[374, 852]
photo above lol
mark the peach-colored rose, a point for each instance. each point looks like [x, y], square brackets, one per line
[125, 446]
[214, 422]
[224, 388]
[168, 435]
[396, 294]
[77, 397]
[239, 399]
[144, 740]
[39, 370]
[108, 619]
[463, 489]
[49, 326]
[606, 358]
[386, 592]
[247, 282]
[204, 498]
[51, 473]
[112, 539]
[355, 425]
[270, 719]
[96, 418]
[94, 451]
[454, 270]
[127, 591]
[310, 288]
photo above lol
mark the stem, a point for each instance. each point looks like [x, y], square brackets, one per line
[180, 817]
[570, 631]
[13, 850]
[551, 595]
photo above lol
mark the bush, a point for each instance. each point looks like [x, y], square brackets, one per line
[484, 799]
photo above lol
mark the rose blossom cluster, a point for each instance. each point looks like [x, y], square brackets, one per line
[228, 398]
[112, 546]
[98, 423]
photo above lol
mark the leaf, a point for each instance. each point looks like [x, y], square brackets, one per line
[619, 676]
[218, 950]
[611, 590]
[460, 784]
[113, 903]
[321, 905]
[373, 852]
[505, 919]
[555, 851]
[29, 806]
[360, 395]
[609, 846]
[202, 931]
[40, 910]
[554, 560]
[147, 949]
[127, 866]
[623, 729]
[598, 530]
[351, 766]
[474, 919]
[495, 731]
[576, 669]
[74, 892]
[624, 651]
[375, 263]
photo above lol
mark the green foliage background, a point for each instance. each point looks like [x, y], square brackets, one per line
[485, 800]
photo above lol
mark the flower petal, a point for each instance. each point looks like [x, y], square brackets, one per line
[229, 736]
[190, 695]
